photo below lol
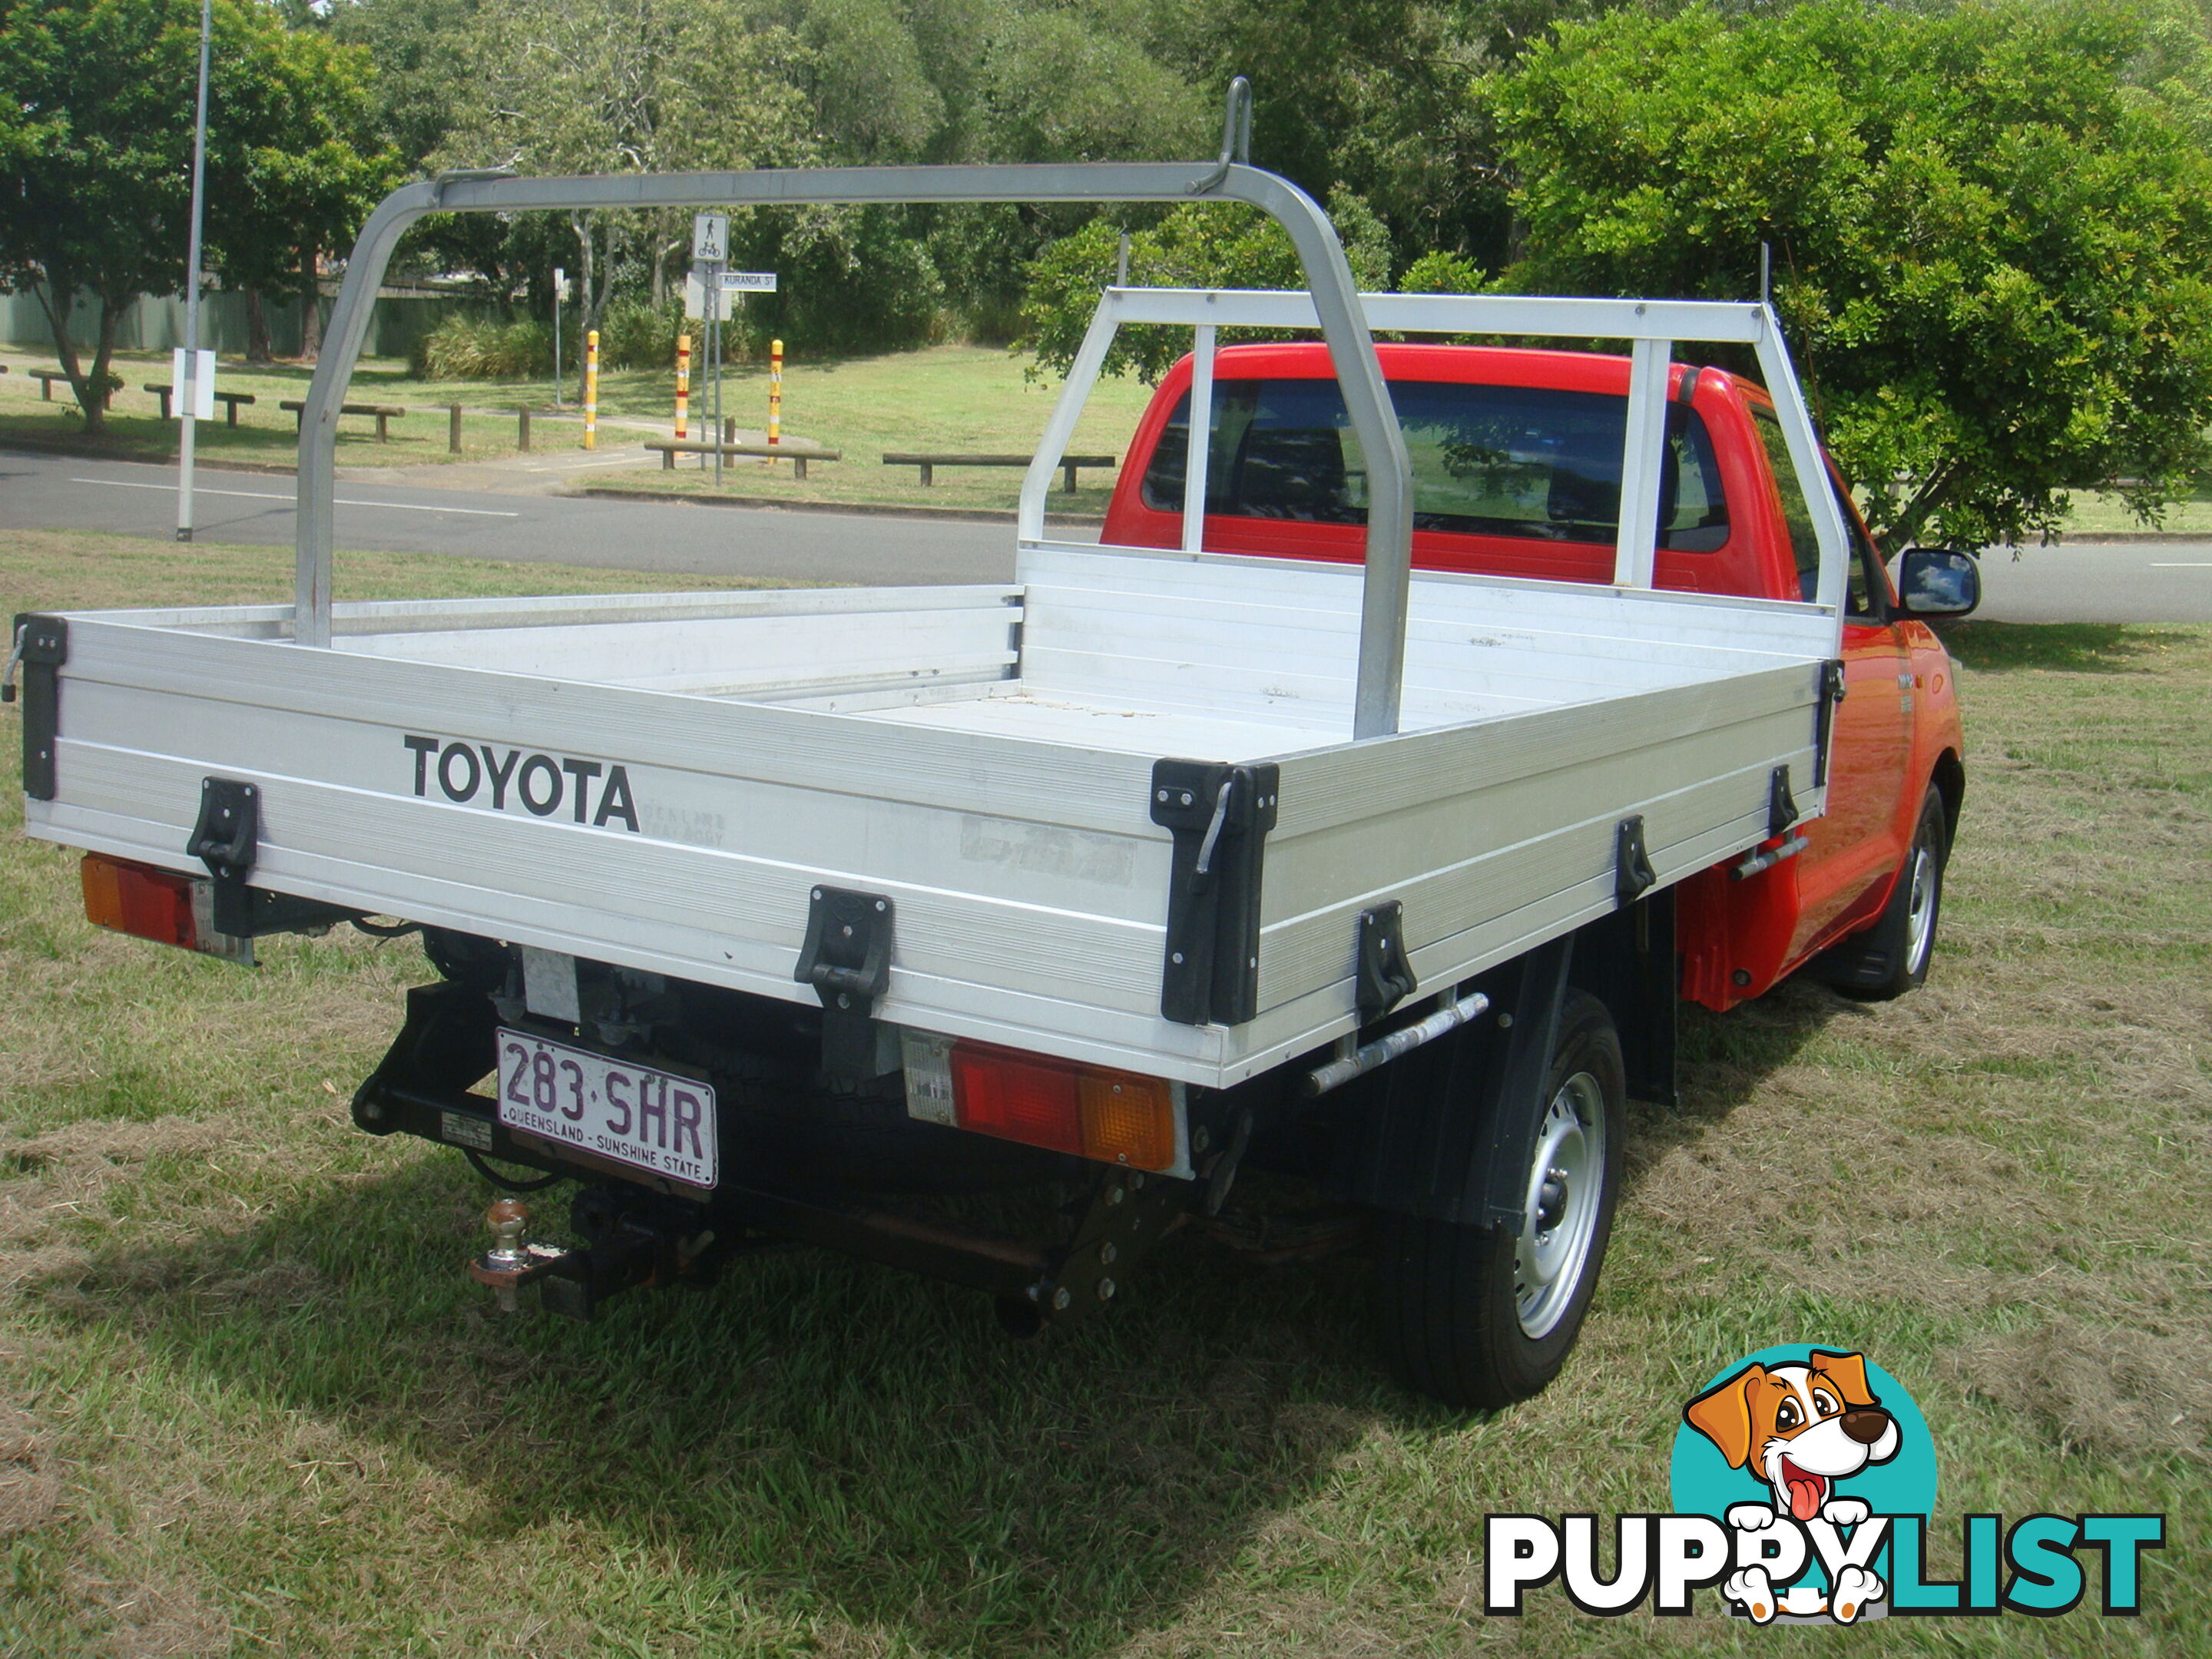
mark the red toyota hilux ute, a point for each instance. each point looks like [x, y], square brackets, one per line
[1516, 458]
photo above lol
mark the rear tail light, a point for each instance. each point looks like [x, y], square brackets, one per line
[1115, 1117]
[146, 902]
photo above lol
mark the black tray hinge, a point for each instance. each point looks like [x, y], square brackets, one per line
[1781, 805]
[1220, 816]
[1824, 728]
[1632, 874]
[1386, 977]
[228, 840]
[41, 645]
[847, 958]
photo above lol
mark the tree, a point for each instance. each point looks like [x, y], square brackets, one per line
[1991, 248]
[1203, 245]
[97, 102]
[1371, 94]
[97, 97]
[309, 163]
[628, 86]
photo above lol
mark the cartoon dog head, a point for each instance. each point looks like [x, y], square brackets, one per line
[1800, 1427]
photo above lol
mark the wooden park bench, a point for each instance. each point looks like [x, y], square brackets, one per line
[384, 412]
[797, 454]
[929, 463]
[46, 377]
[231, 399]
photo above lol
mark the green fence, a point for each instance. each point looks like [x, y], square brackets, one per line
[156, 323]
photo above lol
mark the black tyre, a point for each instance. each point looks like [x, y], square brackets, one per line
[1478, 1318]
[1892, 956]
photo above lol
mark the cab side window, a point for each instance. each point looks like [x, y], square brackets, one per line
[1866, 594]
[1863, 587]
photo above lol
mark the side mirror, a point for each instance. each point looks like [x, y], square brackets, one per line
[1933, 582]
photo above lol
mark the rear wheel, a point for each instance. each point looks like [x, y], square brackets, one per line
[1478, 1318]
[1892, 956]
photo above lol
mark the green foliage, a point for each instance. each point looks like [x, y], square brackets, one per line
[851, 280]
[470, 347]
[96, 160]
[1441, 273]
[466, 347]
[1372, 95]
[421, 80]
[1198, 245]
[865, 75]
[310, 163]
[636, 335]
[626, 86]
[1991, 246]
[97, 131]
[1078, 85]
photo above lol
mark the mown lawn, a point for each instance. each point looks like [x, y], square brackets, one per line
[954, 399]
[249, 1403]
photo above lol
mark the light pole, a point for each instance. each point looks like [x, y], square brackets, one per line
[188, 390]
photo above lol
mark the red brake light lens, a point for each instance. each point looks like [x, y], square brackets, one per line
[139, 900]
[1026, 1098]
[1113, 1117]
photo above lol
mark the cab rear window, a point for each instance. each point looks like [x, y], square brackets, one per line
[1488, 461]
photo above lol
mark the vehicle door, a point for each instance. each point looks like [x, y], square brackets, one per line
[1857, 843]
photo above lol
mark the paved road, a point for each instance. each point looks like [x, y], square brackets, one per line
[2137, 582]
[56, 492]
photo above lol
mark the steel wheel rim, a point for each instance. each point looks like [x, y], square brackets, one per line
[1920, 911]
[1559, 1206]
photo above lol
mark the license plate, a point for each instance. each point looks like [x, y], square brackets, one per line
[650, 1120]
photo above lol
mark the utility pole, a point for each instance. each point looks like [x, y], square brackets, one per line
[188, 389]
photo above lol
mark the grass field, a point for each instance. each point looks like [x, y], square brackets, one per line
[957, 399]
[248, 1402]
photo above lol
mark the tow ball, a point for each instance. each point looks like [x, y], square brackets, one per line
[511, 1262]
[635, 1241]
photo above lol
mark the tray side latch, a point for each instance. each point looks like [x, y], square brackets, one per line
[847, 958]
[40, 644]
[1832, 687]
[1220, 816]
[1632, 874]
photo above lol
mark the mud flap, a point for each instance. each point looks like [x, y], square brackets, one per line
[1443, 1134]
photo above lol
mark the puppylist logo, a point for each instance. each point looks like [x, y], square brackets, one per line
[1802, 1482]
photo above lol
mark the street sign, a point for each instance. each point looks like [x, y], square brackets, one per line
[202, 383]
[733, 281]
[710, 238]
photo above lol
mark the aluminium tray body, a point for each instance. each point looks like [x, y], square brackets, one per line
[659, 781]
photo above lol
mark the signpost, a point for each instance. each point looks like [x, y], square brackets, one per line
[710, 251]
[192, 363]
[560, 282]
[703, 298]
